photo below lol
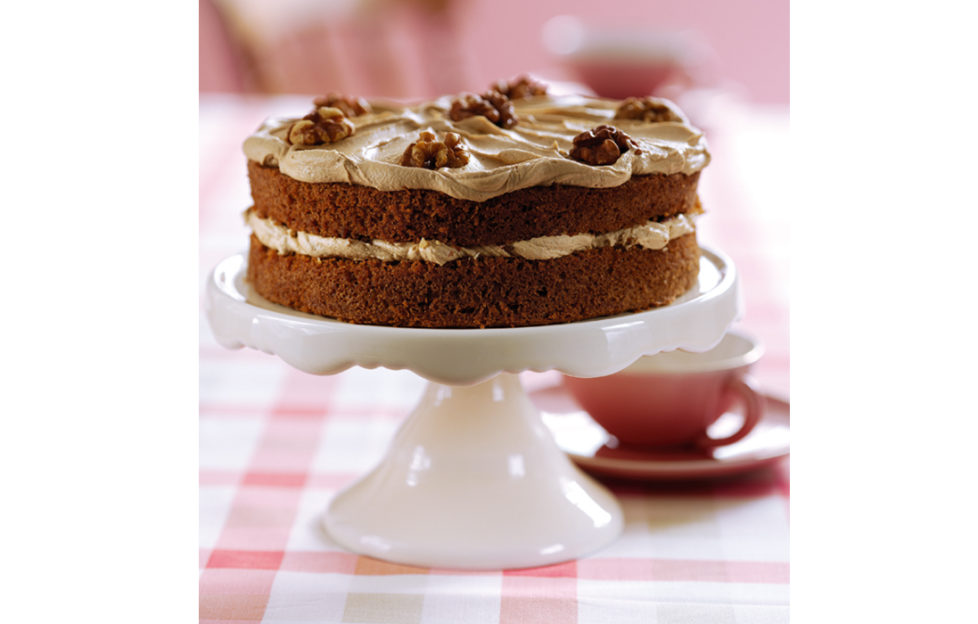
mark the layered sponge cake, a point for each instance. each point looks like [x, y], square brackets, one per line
[509, 208]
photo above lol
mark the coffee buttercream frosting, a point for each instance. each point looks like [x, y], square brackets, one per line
[652, 235]
[533, 153]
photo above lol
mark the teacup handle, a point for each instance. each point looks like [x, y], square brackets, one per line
[752, 413]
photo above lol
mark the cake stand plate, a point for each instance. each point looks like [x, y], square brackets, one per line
[473, 478]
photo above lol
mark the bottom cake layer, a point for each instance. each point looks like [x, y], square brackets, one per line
[477, 292]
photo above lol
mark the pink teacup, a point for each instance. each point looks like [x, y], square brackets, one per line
[670, 399]
[622, 61]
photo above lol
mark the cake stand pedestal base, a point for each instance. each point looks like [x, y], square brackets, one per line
[474, 479]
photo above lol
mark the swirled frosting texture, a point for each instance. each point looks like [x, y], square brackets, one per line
[533, 153]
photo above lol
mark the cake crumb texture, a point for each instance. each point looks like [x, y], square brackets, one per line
[477, 292]
[348, 211]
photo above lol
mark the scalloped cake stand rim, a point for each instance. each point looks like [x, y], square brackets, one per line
[240, 317]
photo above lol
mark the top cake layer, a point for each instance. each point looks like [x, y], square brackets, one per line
[534, 152]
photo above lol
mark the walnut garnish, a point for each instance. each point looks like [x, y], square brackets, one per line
[492, 105]
[646, 109]
[430, 153]
[601, 145]
[521, 87]
[326, 124]
[351, 107]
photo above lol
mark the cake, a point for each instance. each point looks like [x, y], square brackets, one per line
[509, 208]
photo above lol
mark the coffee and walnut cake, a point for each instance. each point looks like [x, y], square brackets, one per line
[508, 208]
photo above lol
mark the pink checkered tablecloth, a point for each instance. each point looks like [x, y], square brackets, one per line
[276, 444]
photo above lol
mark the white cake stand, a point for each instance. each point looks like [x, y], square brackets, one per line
[473, 479]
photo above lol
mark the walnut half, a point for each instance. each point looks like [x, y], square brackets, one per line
[430, 153]
[646, 109]
[324, 125]
[351, 107]
[602, 145]
[521, 87]
[492, 105]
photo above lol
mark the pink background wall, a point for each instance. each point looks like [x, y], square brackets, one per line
[747, 40]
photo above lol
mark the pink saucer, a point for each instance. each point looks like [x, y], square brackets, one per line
[596, 451]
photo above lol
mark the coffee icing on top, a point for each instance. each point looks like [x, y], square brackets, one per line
[533, 153]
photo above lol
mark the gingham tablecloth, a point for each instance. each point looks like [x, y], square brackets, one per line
[276, 444]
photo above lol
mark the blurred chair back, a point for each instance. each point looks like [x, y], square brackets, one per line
[371, 48]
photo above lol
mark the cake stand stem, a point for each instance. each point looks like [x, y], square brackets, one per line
[473, 479]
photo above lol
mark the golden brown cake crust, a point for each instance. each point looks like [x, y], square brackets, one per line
[480, 292]
[360, 212]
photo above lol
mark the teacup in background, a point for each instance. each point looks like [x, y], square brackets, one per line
[670, 399]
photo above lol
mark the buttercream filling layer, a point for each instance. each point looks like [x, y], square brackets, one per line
[652, 235]
[532, 153]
